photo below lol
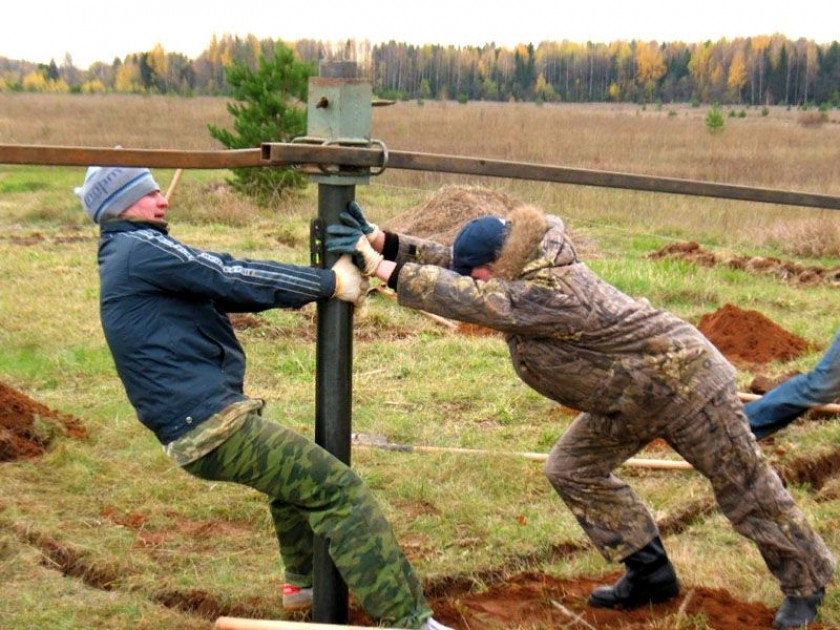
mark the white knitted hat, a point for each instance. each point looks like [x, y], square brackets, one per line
[109, 190]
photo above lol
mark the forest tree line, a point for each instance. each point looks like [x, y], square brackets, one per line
[761, 70]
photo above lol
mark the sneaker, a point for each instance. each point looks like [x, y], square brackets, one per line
[431, 624]
[296, 598]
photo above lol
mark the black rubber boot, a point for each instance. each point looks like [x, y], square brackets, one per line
[797, 612]
[650, 578]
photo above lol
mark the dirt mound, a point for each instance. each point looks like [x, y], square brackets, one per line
[750, 337]
[27, 427]
[440, 218]
[786, 270]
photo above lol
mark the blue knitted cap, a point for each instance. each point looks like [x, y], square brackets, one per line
[109, 190]
[479, 242]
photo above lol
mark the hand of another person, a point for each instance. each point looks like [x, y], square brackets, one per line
[344, 239]
[350, 286]
[354, 217]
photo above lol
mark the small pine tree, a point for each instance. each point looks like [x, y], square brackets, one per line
[267, 111]
[714, 119]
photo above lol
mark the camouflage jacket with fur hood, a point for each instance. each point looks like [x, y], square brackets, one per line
[572, 336]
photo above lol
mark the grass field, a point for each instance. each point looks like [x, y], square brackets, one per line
[106, 533]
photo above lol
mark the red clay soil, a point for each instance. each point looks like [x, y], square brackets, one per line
[20, 435]
[530, 600]
[750, 337]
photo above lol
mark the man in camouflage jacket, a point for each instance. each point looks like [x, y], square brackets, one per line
[636, 372]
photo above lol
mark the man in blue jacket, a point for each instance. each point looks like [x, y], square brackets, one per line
[164, 310]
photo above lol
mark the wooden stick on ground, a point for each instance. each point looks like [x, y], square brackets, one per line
[378, 441]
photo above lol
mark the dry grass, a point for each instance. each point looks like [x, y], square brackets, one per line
[157, 122]
[813, 119]
[773, 151]
[816, 237]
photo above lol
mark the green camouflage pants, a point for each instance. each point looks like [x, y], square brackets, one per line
[718, 443]
[312, 492]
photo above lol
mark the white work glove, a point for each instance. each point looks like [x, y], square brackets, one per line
[350, 286]
[370, 256]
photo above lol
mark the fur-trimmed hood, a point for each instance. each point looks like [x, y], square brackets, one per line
[535, 241]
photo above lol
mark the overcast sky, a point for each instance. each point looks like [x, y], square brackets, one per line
[99, 30]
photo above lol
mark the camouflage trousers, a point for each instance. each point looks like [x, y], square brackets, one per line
[311, 492]
[718, 443]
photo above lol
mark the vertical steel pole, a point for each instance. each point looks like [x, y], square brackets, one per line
[333, 388]
[333, 394]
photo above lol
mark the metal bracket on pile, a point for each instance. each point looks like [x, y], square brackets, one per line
[338, 115]
[357, 173]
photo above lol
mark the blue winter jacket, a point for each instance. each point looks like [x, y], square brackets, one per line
[164, 311]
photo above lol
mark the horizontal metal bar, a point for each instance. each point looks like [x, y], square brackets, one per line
[285, 154]
[606, 179]
[293, 154]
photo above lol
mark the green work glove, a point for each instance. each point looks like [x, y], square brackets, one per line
[354, 217]
[343, 239]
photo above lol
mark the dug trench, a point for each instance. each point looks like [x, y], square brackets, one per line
[786, 270]
[515, 596]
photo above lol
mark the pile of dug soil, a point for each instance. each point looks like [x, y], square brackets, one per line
[27, 427]
[440, 218]
[448, 209]
[786, 270]
[750, 337]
